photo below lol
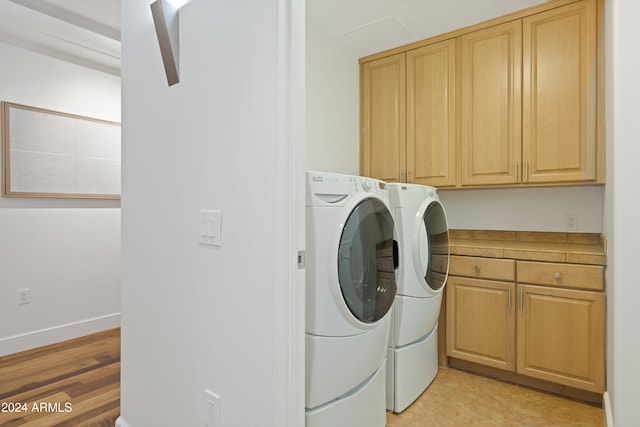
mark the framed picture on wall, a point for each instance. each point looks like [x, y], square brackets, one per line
[52, 154]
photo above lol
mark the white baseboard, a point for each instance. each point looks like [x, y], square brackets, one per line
[55, 334]
[608, 415]
[120, 422]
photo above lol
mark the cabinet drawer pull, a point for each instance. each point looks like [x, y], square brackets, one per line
[557, 275]
[477, 268]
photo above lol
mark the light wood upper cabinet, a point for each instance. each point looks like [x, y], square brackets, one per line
[559, 94]
[408, 116]
[490, 70]
[561, 336]
[382, 118]
[512, 102]
[431, 113]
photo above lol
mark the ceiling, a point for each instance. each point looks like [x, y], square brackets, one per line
[87, 32]
[369, 26]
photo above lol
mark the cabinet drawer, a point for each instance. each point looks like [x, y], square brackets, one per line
[562, 275]
[483, 268]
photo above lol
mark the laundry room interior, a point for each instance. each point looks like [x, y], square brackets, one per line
[363, 103]
[530, 270]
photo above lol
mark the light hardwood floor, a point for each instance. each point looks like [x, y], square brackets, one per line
[75, 383]
[85, 373]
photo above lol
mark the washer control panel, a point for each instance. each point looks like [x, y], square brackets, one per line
[333, 188]
[368, 185]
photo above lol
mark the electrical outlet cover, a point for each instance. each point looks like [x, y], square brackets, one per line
[572, 222]
[212, 408]
[210, 228]
[24, 296]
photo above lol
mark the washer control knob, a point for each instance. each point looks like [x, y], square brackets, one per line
[365, 185]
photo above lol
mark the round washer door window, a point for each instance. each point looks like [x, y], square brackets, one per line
[367, 260]
[433, 246]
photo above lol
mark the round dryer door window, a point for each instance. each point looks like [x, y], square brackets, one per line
[433, 246]
[367, 260]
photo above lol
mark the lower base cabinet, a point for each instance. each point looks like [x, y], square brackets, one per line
[548, 330]
[481, 321]
[560, 336]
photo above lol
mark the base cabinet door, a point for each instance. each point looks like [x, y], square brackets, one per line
[560, 336]
[481, 321]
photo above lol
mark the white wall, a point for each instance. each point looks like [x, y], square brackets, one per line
[333, 117]
[525, 209]
[622, 211]
[197, 317]
[67, 252]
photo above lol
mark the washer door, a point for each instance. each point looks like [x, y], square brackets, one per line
[367, 261]
[433, 246]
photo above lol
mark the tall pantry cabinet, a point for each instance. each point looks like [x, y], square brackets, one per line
[510, 102]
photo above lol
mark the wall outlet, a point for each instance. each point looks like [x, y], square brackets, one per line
[210, 228]
[572, 222]
[212, 416]
[24, 296]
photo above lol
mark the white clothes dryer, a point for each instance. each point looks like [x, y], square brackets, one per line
[351, 262]
[423, 241]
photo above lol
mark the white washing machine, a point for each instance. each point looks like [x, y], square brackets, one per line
[351, 263]
[423, 241]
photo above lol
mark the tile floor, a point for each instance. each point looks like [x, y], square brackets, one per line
[459, 399]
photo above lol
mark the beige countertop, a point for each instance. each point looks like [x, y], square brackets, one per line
[573, 248]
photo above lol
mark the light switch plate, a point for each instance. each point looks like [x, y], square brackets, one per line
[211, 227]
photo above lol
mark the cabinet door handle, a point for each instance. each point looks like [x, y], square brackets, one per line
[509, 297]
[520, 299]
[517, 175]
[400, 180]
[526, 170]
[408, 175]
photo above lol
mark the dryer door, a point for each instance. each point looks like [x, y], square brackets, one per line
[433, 246]
[367, 260]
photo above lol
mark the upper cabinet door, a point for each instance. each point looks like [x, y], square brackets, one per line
[382, 118]
[431, 113]
[559, 94]
[491, 105]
